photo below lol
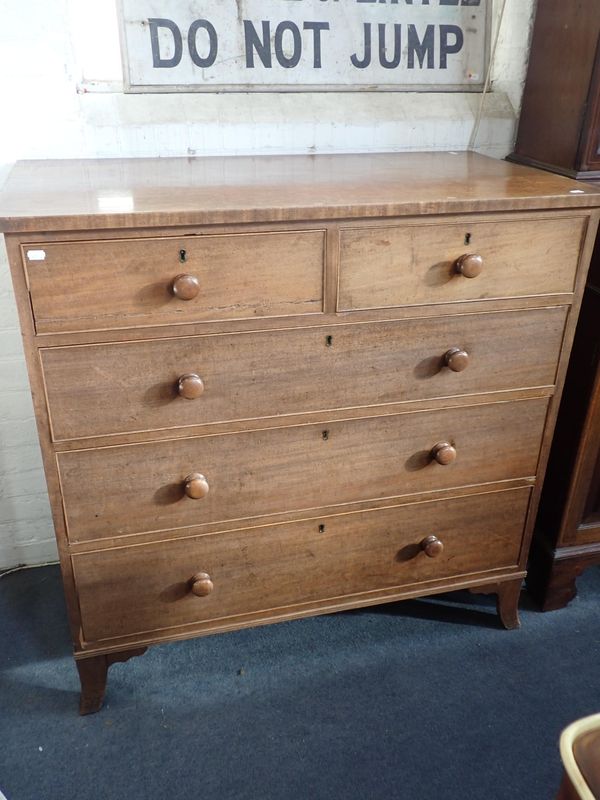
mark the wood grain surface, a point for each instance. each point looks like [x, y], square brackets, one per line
[120, 283]
[134, 386]
[126, 193]
[409, 265]
[137, 589]
[135, 488]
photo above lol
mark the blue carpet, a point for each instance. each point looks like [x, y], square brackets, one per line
[421, 700]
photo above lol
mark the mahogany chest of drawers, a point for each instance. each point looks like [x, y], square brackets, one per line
[275, 387]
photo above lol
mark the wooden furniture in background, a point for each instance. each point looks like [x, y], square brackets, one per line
[559, 130]
[567, 535]
[559, 127]
[580, 752]
[268, 388]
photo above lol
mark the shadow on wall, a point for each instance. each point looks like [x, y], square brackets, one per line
[26, 531]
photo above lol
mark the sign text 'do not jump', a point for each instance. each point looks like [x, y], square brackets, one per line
[315, 45]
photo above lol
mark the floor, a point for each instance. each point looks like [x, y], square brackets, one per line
[421, 700]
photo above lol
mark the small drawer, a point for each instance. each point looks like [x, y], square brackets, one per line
[79, 286]
[154, 486]
[215, 580]
[421, 264]
[174, 383]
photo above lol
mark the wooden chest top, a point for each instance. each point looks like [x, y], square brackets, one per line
[125, 193]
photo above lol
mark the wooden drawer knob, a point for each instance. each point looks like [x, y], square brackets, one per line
[456, 359]
[186, 287]
[444, 453]
[201, 584]
[432, 546]
[196, 486]
[190, 386]
[470, 265]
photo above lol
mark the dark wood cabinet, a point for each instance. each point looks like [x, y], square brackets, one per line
[559, 130]
[567, 538]
[559, 127]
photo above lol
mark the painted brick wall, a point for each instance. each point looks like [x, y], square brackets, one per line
[46, 117]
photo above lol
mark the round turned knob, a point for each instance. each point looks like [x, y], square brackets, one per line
[186, 287]
[444, 453]
[190, 386]
[456, 359]
[432, 546]
[196, 486]
[470, 265]
[201, 584]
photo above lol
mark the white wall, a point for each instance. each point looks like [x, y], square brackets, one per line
[47, 114]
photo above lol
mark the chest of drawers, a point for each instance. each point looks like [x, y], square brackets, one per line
[274, 387]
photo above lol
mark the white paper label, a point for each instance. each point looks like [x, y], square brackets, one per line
[36, 255]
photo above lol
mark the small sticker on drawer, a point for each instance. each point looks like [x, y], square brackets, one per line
[36, 255]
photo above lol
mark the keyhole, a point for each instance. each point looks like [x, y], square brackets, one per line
[329, 341]
[182, 256]
[321, 528]
[467, 238]
[325, 435]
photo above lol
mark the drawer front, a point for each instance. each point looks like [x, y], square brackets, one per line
[135, 386]
[129, 590]
[136, 488]
[415, 265]
[118, 284]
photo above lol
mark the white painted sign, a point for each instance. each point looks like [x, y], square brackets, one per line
[304, 45]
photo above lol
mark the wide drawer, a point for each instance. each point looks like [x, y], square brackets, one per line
[131, 282]
[417, 264]
[129, 590]
[128, 489]
[135, 386]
